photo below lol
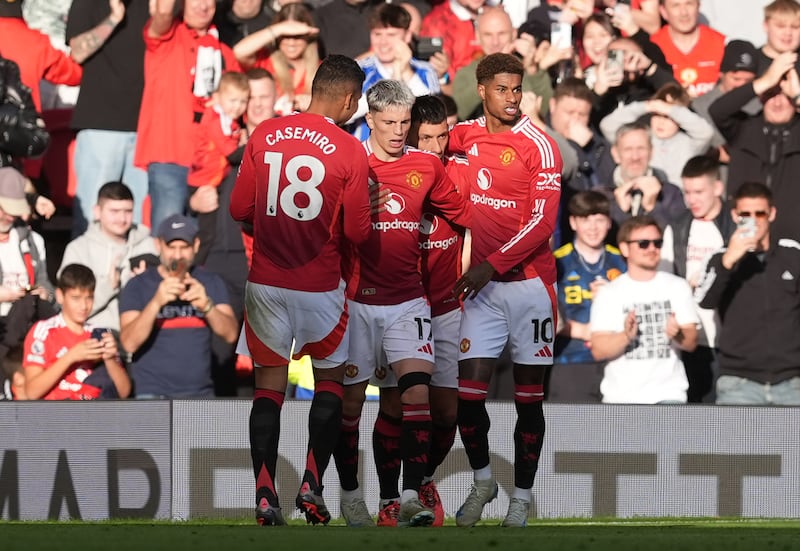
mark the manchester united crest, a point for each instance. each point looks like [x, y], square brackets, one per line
[688, 76]
[351, 370]
[507, 156]
[380, 373]
[465, 344]
[414, 179]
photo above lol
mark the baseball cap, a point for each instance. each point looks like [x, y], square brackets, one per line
[177, 226]
[740, 55]
[12, 192]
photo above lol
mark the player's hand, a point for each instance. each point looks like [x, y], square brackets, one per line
[117, 11]
[631, 326]
[378, 197]
[195, 293]
[88, 350]
[170, 289]
[473, 281]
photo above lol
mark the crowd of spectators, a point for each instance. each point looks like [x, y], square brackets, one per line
[665, 126]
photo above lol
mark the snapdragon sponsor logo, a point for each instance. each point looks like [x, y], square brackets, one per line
[395, 225]
[442, 244]
[493, 202]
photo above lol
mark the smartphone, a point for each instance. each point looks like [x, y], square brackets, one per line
[616, 58]
[560, 35]
[427, 46]
[747, 225]
[98, 332]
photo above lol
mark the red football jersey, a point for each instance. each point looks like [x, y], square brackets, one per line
[45, 343]
[299, 173]
[697, 70]
[515, 188]
[441, 244]
[385, 269]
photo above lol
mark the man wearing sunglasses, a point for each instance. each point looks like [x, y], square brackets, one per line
[753, 283]
[641, 321]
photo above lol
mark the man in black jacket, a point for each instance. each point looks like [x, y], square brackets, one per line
[689, 241]
[766, 147]
[755, 285]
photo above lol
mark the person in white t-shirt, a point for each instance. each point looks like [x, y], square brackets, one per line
[689, 241]
[641, 321]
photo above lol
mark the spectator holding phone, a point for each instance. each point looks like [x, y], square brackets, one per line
[391, 58]
[64, 357]
[107, 248]
[753, 284]
[24, 287]
[167, 317]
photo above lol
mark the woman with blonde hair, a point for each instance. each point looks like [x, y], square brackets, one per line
[288, 50]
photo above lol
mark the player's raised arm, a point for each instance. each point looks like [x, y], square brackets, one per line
[445, 198]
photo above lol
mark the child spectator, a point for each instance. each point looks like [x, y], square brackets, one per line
[584, 266]
[217, 139]
[64, 359]
[782, 26]
[678, 134]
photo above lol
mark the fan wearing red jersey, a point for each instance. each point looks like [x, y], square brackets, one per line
[64, 358]
[390, 318]
[514, 173]
[303, 187]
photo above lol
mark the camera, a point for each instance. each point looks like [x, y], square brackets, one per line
[428, 46]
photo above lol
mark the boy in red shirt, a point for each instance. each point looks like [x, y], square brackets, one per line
[216, 146]
[62, 353]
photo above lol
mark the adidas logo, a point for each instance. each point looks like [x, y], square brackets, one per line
[426, 349]
[544, 352]
[787, 276]
[473, 150]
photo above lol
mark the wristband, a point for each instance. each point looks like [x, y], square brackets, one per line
[209, 306]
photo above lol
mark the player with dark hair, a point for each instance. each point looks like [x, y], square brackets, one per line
[515, 177]
[390, 320]
[303, 187]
